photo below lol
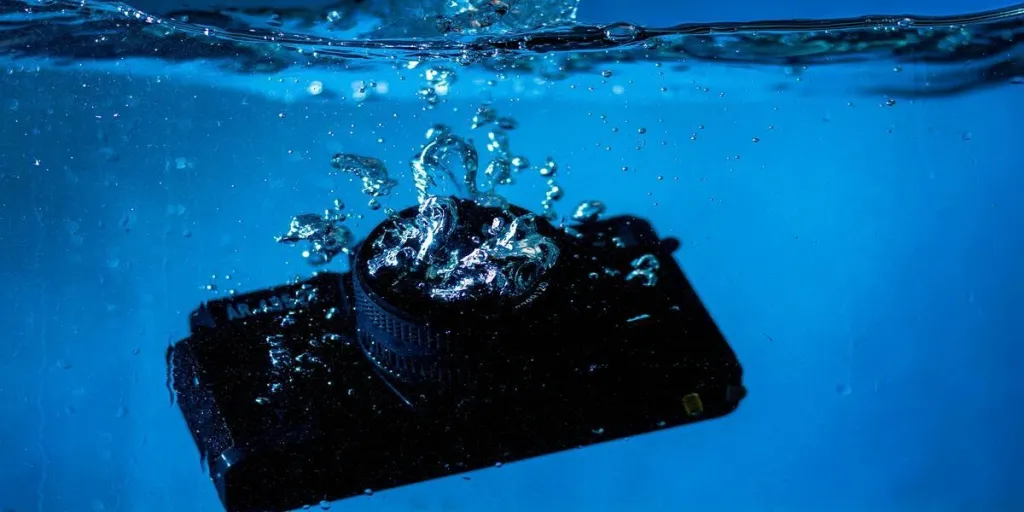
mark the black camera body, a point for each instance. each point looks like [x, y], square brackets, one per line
[336, 386]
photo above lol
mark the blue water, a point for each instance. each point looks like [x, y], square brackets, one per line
[853, 225]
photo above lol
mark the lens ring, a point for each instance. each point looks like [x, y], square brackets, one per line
[443, 344]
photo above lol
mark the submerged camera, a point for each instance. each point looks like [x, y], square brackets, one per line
[464, 336]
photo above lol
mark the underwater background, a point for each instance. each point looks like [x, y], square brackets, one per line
[844, 189]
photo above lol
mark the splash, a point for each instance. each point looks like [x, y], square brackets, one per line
[444, 255]
[537, 37]
[325, 234]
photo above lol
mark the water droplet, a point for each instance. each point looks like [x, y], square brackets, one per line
[63, 364]
[843, 389]
[121, 412]
[325, 505]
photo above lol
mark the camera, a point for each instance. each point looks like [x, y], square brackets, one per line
[463, 336]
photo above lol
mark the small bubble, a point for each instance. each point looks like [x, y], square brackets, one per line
[325, 505]
[606, 73]
[890, 103]
[374, 204]
[550, 168]
[121, 412]
[588, 211]
[63, 364]
[843, 389]
[507, 123]
[641, 130]
[756, 140]
[520, 163]
[368, 491]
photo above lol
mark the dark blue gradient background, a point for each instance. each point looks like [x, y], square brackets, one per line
[862, 260]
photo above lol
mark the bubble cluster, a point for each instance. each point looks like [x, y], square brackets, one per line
[326, 234]
[471, 15]
[550, 168]
[554, 193]
[476, 16]
[289, 361]
[485, 115]
[588, 211]
[439, 81]
[644, 270]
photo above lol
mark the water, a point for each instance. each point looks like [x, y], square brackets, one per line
[846, 192]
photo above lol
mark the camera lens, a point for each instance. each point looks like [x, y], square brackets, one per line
[434, 298]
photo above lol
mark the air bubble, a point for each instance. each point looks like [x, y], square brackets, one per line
[622, 32]
[645, 270]
[507, 123]
[588, 211]
[550, 168]
[484, 115]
